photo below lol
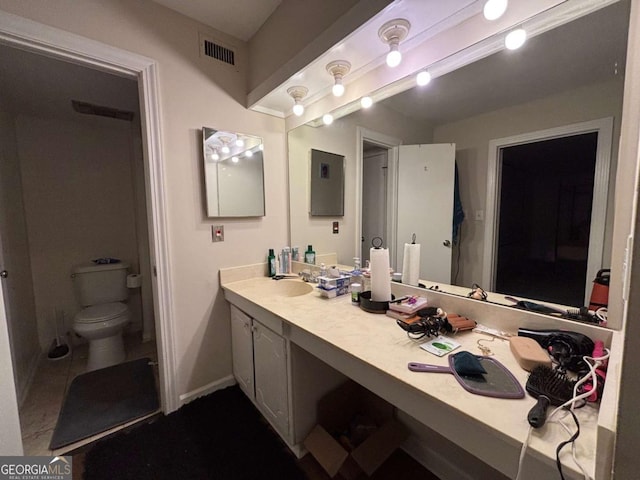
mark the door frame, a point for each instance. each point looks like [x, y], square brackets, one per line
[390, 144]
[25, 34]
[604, 128]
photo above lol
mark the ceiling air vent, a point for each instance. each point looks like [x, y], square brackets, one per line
[215, 50]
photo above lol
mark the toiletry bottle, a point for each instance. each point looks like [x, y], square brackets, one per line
[323, 270]
[287, 252]
[310, 255]
[271, 263]
[284, 261]
[356, 281]
[295, 254]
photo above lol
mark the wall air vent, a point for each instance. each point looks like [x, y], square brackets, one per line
[91, 109]
[214, 49]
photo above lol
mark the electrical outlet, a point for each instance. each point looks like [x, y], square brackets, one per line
[217, 233]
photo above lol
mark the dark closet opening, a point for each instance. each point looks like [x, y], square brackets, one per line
[545, 218]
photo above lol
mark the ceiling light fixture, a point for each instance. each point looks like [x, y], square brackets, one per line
[392, 33]
[515, 39]
[423, 78]
[494, 9]
[298, 93]
[337, 70]
[248, 154]
[366, 102]
[327, 119]
[215, 157]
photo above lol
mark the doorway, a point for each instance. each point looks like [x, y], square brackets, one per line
[569, 214]
[38, 38]
[374, 196]
[544, 217]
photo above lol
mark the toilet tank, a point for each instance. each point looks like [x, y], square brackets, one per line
[97, 284]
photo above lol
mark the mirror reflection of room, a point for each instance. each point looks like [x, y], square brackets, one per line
[233, 174]
[535, 133]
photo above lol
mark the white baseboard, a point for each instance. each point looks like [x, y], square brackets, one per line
[207, 389]
[434, 461]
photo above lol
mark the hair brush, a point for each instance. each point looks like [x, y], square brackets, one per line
[550, 387]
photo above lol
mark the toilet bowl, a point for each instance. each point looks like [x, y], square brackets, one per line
[102, 325]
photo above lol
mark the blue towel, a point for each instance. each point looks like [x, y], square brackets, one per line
[458, 212]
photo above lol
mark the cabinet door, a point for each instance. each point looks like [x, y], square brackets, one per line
[270, 363]
[242, 350]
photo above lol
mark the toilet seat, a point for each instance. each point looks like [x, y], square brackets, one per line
[101, 313]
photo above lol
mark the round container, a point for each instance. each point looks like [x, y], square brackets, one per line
[397, 277]
[356, 288]
[373, 306]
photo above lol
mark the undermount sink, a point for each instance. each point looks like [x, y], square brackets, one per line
[289, 288]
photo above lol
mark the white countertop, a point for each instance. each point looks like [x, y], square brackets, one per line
[336, 328]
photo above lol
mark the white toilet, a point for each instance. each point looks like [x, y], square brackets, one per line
[101, 290]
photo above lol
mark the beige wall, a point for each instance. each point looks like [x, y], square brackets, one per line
[339, 138]
[79, 205]
[193, 92]
[17, 286]
[472, 137]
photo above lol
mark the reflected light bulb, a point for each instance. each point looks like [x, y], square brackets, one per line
[240, 142]
[366, 102]
[234, 159]
[327, 119]
[338, 89]
[423, 78]
[225, 149]
[494, 9]
[298, 109]
[394, 57]
[515, 39]
[261, 147]
[215, 157]
[248, 154]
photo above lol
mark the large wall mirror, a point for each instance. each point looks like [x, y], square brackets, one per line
[550, 111]
[233, 174]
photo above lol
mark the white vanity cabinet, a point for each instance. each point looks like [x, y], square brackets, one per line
[261, 368]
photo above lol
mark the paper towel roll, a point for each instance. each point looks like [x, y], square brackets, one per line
[134, 280]
[380, 281]
[411, 264]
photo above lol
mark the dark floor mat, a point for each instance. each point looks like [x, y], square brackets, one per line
[220, 436]
[102, 399]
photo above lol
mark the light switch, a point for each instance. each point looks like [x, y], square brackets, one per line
[217, 233]
[336, 227]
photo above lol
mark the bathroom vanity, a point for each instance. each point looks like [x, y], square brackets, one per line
[304, 345]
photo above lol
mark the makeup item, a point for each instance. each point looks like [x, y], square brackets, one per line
[528, 353]
[550, 387]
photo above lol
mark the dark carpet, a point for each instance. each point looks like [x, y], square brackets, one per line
[220, 436]
[102, 399]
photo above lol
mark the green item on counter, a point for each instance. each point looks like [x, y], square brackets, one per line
[310, 255]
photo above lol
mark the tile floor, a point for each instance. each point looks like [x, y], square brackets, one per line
[39, 413]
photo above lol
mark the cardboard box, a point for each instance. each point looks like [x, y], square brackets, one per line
[332, 287]
[347, 409]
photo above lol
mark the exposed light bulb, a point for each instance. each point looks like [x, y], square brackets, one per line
[234, 159]
[225, 149]
[298, 109]
[423, 78]
[515, 39]
[494, 9]
[261, 147]
[248, 154]
[394, 57]
[366, 102]
[215, 157]
[338, 88]
[240, 142]
[327, 119]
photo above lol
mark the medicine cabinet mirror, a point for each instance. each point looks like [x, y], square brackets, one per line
[508, 94]
[233, 174]
[327, 184]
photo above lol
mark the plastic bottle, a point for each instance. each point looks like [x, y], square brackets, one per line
[271, 263]
[310, 255]
[356, 281]
[323, 270]
[284, 260]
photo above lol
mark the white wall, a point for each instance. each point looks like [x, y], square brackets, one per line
[18, 286]
[472, 137]
[79, 206]
[339, 138]
[194, 92]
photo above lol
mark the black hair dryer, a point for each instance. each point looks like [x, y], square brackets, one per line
[566, 347]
